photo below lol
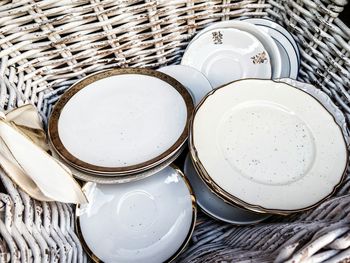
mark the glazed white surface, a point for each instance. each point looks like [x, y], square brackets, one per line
[268, 43]
[134, 118]
[276, 26]
[231, 60]
[285, 43]
[143, 221]
[272, 145]
[215, 206]
[193, 80]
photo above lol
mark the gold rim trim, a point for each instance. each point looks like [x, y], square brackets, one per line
[95, 259]
[81, 84]
[230, 198]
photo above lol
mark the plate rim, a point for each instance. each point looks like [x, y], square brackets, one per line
[281, 30]
[295, 47]
[62, 151]
[211, 214]
[95, 259]
[230, 198]
[170, 67]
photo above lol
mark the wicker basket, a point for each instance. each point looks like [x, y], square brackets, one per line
[45, 46]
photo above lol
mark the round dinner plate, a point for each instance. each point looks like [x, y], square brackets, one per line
[121, 121]
[214, 206]
[274, 148]
[286, 45]
[268, 43]
[193, 80]
[145, 221]
[227, 54]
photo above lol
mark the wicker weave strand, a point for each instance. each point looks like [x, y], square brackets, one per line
[45, 46]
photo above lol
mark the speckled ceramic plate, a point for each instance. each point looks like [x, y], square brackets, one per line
[274, 148]
[146, 221]
[214, 206]
[121, 121]
[227, 54]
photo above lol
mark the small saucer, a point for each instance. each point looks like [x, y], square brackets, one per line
[227, 54]
[193, 80]
[214, 206]
[145, 221]
[268, 43]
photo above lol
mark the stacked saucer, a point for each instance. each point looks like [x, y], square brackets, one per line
[269, 146]
[233, 50]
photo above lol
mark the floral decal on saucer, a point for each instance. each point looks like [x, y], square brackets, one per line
[217, 37]
[260, 58]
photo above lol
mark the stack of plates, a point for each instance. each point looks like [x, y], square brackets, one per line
[121, 125]
[113, 129]
[268, 146]
[233, 50]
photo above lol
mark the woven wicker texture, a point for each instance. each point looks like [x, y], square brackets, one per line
[45, 46]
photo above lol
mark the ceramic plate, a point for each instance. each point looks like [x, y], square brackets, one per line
[193, 80]
[286, 45]
[268, 43]
[222, 59]
[146, 221]
[214, 206]
[121, 121]
[281, 29]
[116, 179]
[275, 148]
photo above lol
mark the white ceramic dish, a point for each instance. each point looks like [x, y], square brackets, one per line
[265, 39]
[275, 148]
[281, 29]
[286, 45]
[117, 179]
[146, 221]
[214, 206]
[222, 59]
[138, 120]
[193, 80]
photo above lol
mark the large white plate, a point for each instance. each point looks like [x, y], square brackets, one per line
[286, 45]
[214, 206]
[268, 43]
[121, 121]
[268, 146]
[227, 54]
[193, 80]
[145, 221]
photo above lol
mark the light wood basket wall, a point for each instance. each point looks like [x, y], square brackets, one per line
[45, 46]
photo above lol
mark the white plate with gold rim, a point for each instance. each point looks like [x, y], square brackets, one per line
[192, 79]
[227, 54]
[145, 221]
[275, 148]
[268, 43]
[117, 179]
[121, 121]
[214, 206]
